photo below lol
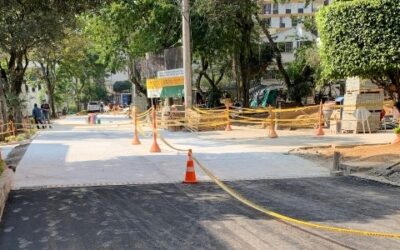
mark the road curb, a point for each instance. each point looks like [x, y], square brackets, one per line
[337, 146]
[6, 180]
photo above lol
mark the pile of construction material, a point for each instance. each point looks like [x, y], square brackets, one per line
[361, 95]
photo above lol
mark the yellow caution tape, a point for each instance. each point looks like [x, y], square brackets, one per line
[279, 216]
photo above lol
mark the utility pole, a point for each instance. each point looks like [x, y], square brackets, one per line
[187, 59]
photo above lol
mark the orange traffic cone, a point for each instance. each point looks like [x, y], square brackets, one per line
[135, 140]
[154, 147]
[228, 125]
[320, 131]
[272, 133]
[190, 176]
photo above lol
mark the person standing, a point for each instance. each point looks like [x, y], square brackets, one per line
[37, 115]
[46, 113]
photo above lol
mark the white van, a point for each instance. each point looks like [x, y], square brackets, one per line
[93, 107]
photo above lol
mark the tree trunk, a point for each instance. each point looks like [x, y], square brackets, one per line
[48, 72]
[395, 79]
[52, 105]
[135, 77]
[3, 100]
[17, 65]
[245, 84]
[236, 78]
[275, 50]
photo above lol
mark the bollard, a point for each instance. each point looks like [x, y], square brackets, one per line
[154, 147]
[228, 124]
[336, 171]
[135, 140]
[272, 133]
[320, 131]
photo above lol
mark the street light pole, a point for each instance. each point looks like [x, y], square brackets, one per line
[187, 59]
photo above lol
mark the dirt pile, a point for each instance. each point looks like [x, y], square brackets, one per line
[381, 161]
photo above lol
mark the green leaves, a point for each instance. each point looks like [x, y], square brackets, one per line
[133, 28]
[360, 38]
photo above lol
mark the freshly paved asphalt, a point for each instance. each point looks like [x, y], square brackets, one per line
[177, 216]
[155, 211]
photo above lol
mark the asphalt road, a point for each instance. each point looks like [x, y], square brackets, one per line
[177, 216]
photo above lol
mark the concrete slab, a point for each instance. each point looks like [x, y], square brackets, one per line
[92, 156]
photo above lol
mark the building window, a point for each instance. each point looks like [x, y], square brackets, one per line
[267, 9]
[326, 2]
[285, 47]
[39, 87]
[288, 47]
[33, 89]
[281, 23]
[276, 8]
[288, 11]
[271, 74]
[300, 10]
[26, 88]
[302, 43]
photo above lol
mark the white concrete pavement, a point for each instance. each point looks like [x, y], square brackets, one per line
[93, 156]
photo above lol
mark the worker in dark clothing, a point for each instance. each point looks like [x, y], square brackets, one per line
[37, 115]
[46, 113]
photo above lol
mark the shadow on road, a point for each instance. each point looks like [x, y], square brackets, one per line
[177, 216]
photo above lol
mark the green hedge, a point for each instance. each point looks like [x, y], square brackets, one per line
[360, 37]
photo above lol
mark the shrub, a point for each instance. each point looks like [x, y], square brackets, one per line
[397, 131]
[21, 137]
[10, 138]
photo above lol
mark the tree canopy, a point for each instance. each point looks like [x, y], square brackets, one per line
[362, 38]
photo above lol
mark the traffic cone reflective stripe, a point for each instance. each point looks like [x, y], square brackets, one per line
[190, 176]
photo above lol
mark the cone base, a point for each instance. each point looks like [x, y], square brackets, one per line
[136, 142]
[272, 135]
[155, 148]
[190, 179]
[190, 182]
[319, 132]
[228, 128]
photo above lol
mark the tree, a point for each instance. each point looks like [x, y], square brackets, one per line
[24, 26]
[82, 73]
[362, 38]
[303, 73]
[225, 37]
[124, 31]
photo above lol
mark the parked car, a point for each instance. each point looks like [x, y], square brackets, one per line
[94, 107]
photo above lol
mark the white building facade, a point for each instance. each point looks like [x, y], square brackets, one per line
[287, 28]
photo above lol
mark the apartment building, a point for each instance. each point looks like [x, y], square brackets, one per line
[285, 22]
